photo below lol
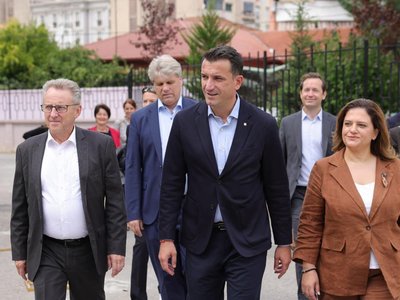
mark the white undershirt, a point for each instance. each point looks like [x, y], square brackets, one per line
[366, 192]
[63, 213]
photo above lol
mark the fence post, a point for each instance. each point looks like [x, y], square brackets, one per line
[129, 83]
[265, 65]
[366, 58]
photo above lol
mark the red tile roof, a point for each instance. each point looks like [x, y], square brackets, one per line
[247, 41]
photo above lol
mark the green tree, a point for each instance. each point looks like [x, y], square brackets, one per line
[207, 34]
[24, 52]
[29, 57]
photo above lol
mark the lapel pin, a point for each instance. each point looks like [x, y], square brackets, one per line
[245, 124]
[384, 180]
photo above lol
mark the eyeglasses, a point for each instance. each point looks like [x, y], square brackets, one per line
[59, 108]
[148, 89]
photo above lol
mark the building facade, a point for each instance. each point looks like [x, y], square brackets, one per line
[74, 21]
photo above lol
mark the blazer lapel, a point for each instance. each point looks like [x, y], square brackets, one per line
[297, 129]
[154, 124]
[343, 176]
[326, 133]
[203, 131]
[37, 159]
[83, 159]
[243, 128]
[383, 178]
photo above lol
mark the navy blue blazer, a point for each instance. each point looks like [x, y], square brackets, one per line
[143, 164]
[253, 179]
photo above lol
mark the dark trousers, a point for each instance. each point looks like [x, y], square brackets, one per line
[171, 287]
[207, 273]
[61, 264]
[297, 205]
[140, 259]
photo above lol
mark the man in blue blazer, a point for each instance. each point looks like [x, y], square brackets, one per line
[68, 222]
[236, 184]
[306, 136]
[148, 135]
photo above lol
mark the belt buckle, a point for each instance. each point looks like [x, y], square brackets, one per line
[220, 226]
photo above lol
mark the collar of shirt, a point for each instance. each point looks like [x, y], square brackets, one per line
[177, 108]
[72, 138]
[234, 113]
[304, 116]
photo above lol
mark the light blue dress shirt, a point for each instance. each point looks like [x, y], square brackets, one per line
[222, 137]
[166, 117]
[311, 143]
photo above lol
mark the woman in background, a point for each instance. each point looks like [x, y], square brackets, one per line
[349, 233]
[121, 125]
[102, 114]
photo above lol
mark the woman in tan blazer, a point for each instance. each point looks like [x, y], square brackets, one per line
[349, 233]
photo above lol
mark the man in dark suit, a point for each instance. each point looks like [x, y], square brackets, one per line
[306, 136]
[148, 135]
[231, 154]
[68, 220]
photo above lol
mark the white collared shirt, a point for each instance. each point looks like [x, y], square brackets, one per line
[166, 117]
[63, 213]
[311, 144]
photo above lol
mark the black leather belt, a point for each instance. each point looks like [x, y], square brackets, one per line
[69, 243]
[219, 226]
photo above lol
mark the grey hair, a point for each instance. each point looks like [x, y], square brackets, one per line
[164, 65]
[64, 84]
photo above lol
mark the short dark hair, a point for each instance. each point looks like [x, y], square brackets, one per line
[312, 75]
[225, 52]
[380, 147]
[129, 101]
[102, 106]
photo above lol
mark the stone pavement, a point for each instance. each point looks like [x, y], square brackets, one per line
[12, 286]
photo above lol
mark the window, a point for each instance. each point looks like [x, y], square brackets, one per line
[77, 22]
[248, 7]
[99, 22]
[228, 6]
[54, 21]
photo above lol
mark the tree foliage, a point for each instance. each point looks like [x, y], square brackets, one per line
[29, 57]
[207, 34]
[376, 19]
[157, 34]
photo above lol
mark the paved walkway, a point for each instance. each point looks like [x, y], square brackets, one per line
[12, 286]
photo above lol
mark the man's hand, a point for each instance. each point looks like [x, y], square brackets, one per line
[167, 256]
[282, 259]
[21, 268]
[116, 263]
[136, 226]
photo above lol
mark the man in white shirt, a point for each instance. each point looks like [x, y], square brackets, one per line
[306, 136]
[68, 222]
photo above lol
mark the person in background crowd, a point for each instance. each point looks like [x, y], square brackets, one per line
[149, 95]
[147, 142]
[236, 183]
[68, 222]
[306, 136]
[348, 238]
[102, 114]
[121, 125]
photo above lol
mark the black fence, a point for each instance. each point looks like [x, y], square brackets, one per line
[361, 70]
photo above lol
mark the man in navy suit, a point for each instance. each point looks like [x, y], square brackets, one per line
[148, 136]
[236, 182]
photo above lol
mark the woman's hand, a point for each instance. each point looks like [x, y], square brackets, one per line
[310, 284]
